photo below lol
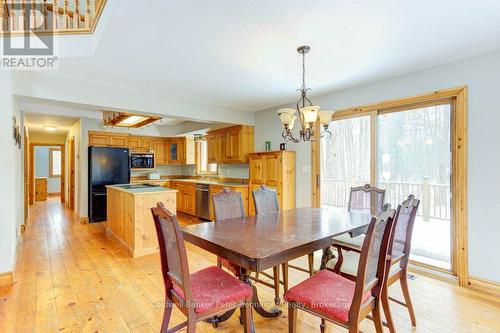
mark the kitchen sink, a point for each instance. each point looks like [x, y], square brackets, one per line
[135, 186]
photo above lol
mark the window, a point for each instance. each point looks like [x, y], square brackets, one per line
[54, 162]
[202, 165]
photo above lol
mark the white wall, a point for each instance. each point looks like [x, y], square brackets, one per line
[11, 196]
[482, 75]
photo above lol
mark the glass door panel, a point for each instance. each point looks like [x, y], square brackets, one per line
[414, 157]
[344, 160]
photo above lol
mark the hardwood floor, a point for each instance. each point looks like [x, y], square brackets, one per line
[71, 278]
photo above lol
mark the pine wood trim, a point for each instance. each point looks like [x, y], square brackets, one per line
[31, 181]
[458, 98]
[485, 286]
[6, 279]
[84, 220]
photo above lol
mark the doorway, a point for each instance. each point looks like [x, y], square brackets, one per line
[47, 171]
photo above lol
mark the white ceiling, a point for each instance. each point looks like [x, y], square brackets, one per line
[36, 122]
[241, 54]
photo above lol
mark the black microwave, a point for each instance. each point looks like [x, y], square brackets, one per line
[142, 161]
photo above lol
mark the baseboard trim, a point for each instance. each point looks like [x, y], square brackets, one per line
[6, 279]
[485, 286]
[84, 220]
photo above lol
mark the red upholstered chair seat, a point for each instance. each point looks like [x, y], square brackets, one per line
[212, 287]
[327, 293]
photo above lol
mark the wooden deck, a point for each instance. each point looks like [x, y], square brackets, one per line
[71, 278]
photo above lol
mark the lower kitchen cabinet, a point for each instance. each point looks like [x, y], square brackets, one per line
[185, 197]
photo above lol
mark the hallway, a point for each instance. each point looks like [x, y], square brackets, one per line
[71, 278]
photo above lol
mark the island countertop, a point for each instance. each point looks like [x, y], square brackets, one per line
[136, 189]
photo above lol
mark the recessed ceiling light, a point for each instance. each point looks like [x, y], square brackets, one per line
[132, 120]
[50, 128]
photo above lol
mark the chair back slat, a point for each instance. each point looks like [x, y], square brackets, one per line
[366, 198]
[403, 228]
[173, 256]
[266, 200]
[228, 204]
[372, 262]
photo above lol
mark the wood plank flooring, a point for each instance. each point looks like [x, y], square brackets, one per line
[71, 278]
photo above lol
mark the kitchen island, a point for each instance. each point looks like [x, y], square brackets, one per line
[129, 218]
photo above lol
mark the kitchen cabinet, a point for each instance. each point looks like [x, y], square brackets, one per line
[170, 150]
[185, 197]
[242, 189]
[180, 150]
[275, 169]
[160, 151]
[103, 139]
[230, 144]
[140, 143]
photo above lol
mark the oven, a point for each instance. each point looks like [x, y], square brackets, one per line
[142, 161]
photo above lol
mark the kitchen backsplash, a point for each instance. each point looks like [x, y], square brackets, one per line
[162, 169]
[225, 170]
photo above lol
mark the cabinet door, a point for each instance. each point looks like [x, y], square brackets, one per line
[159, 150]
[99, 139]
[181, 150]
[133, 143]
[257, 169]
[119, 141]
[233, 146]
[173, 151]
[145, 144]
[213, 147]
[190, 205]
[272, 167]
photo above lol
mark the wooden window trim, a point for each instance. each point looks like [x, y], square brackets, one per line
[457, 97]
[197, 161]
[51, 163]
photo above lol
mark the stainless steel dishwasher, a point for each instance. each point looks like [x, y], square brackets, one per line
[202, 201]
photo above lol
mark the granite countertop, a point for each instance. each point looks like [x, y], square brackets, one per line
[140, 190]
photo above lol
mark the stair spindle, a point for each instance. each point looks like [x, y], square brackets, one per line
[2, 13]
[66, 14]
[76, 15]
[33, 21]
[12, 16]
[87, 14]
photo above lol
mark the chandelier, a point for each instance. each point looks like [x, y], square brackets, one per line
[307, 113]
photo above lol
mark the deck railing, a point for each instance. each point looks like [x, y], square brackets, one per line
[49, 16]
[435, 198]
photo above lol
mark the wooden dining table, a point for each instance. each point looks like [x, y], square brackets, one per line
[256, 243]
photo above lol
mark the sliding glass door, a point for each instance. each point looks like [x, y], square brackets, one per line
[405, 152]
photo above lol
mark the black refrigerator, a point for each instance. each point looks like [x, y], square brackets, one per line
[107, 166]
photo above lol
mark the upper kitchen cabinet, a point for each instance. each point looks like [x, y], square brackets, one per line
[160, 151]
[104, 139]
[140, 143]
[180, 150]
[230, 145]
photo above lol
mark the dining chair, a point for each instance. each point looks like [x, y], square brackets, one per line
[397, 266]
[366, 199]
[200, 295]
[227, 205]
[337, 299]
[266, 201]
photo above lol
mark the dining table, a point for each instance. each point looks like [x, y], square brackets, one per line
[256, 243]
